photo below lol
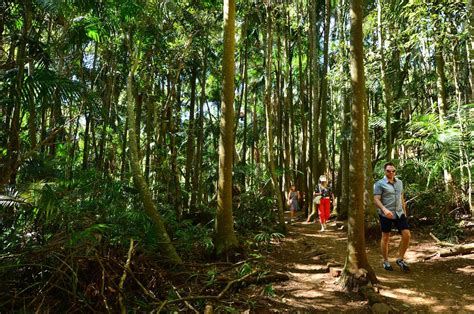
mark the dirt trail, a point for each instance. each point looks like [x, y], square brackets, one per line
[434, 285]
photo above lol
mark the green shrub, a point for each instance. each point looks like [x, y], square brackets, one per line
[447, 229]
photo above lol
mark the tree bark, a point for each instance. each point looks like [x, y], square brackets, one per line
[303, 110]
[269, 118]
[190, 142]
[457, 250]
[166, 247]
[315, 108]
[343, 205]
[441, 83]
[196, 195]
[323, 95]
[356, 259]
[32, 107]
[225, 238]
[386, 85]
[470, 50]
[9, 168]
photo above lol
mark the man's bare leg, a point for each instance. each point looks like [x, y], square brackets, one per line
[405, 241]
[384, 245]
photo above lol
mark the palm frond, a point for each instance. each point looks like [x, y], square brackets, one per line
[10, 198]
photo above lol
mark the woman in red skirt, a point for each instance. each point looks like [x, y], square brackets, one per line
[324, 209]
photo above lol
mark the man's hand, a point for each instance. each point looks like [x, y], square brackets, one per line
[378, 203]
[388, 214]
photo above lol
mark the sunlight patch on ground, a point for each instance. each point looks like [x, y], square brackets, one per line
[409, 296]
[412, 298]
[468, 270]
[469, 297]
[310, 293]
[440, 308]
[325, 235]
[311, 235]
[390, 279]
[308, 278]
[413, 256]
[308, 267]
[469, 308]
[405, 291]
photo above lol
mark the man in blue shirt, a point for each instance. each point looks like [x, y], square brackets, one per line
[388, 197]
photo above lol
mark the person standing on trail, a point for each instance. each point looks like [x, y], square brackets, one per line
[293, 197]
[389, 199]
[322, 202]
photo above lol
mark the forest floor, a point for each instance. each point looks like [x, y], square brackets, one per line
[434, 284]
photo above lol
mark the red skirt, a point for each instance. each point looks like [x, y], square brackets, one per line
[324, 209]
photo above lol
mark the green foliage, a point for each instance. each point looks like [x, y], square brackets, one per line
[38, 168]
[446, 228]
[194, 239]
[255, 212]
[268, 290]
[245, 269]
[211, 277]
[17, 221]
[264, 238]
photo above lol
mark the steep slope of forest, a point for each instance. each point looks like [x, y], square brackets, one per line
[143, 141]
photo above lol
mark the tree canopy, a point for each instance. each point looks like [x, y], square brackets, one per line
[179, 126]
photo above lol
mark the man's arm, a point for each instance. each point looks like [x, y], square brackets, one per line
[378, 202]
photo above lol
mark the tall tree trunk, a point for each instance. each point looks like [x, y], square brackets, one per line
[190, 143]
[441, 83]
[323, 95]
[196, 195]
[357, 265]
[287, 101]
[32, 107]
[269, 117]
[369, 207]
[124, 163]
[442, 101]
[166, 247]
[9, 168]
[386, 85]
[303, 109]
[463, 151]
[343, 204]
[470, 50]
[278, 114]
[245, 116]
[225, 238]
[107, 101]
[343, 177]
[175, 116]
[149, 126]
[314, 121]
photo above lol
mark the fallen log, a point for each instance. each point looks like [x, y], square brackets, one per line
[457, 250]
[441, 243]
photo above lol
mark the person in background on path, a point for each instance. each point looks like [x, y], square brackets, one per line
[322, 196]
[292, 199]
[389, 199]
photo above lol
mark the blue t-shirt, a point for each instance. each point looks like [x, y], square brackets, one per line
[391, 195]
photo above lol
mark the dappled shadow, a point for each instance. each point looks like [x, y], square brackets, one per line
[439, 284]
[433, 285]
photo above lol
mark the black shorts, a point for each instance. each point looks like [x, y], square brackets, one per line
[386, 224]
